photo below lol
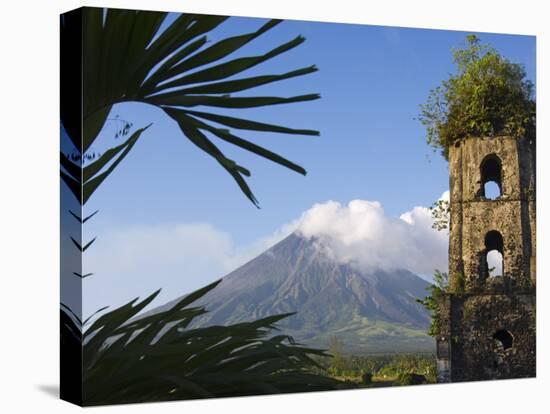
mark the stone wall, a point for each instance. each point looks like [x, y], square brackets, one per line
[475, 320]
[486, 325]
[481, 217]
[513, 214]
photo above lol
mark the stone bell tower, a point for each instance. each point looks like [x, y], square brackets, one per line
[487, 319]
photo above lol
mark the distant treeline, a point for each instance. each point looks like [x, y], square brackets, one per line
[382, 367]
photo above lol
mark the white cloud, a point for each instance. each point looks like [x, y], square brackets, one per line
[178, 246]
[361, 234]
[136, 261]
[494, 260]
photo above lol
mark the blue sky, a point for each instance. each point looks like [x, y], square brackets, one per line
[371, 79]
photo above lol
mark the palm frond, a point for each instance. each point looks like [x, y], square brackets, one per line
[157, 358]
[141, 56]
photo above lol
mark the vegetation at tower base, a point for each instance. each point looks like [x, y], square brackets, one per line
[431, 302]
[156, 358]
[488, 96]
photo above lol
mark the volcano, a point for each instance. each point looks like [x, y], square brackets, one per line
[367, 310]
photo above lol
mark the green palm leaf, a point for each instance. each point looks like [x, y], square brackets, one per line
[240, 85]
[228, 137]
[211, 54]
[139, 56]
[226, 101]
[233, 67]
[239, 123]
[128, 359]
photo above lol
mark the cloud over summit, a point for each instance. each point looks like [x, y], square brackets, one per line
[180, 257]
[361, 234]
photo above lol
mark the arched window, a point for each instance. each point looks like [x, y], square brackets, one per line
[503, 339]
[491, 190]
[494, 248]
[491, 177]
[494, 263]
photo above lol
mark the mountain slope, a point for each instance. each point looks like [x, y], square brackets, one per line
[370, 311]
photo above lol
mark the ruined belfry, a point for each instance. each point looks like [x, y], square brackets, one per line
[486, 320]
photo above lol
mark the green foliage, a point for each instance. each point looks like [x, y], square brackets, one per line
[419, 364]
[365, 367]
[156, 358]
[488, 96]
[409, 378]
[441, 211]
[128, 58]
[366, 378]
[430, 302]
[336, 350]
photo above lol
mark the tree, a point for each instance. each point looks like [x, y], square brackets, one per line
[488, 96]
[336, 350]
[430, 302]
[440, 212]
